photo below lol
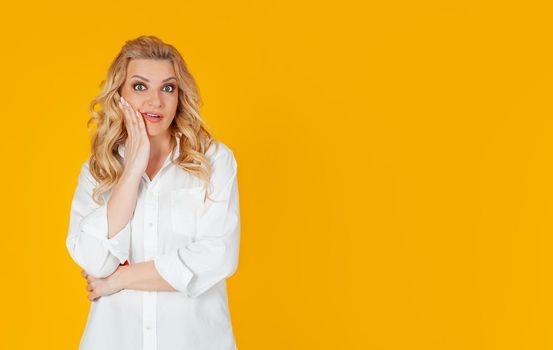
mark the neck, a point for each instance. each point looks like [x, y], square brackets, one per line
[160, 145]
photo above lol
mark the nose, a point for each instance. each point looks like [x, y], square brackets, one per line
[154, 100]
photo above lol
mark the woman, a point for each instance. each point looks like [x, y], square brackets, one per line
[155, 219]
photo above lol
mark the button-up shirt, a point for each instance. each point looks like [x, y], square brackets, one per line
[193, 242]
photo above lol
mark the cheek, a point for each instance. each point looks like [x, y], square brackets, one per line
[172, 105]
[137, 103]
[131, 99]
[174, 101]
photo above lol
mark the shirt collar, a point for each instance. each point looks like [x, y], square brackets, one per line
[121, 148]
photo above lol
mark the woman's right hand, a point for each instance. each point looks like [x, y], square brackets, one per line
[137, 145]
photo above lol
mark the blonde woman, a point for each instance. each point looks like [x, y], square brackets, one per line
[155, 219]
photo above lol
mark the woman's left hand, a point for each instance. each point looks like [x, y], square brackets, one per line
[100, 287]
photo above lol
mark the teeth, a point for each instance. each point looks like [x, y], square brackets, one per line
[152, 115]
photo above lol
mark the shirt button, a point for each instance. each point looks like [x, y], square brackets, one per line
[150, 224]
[148, 327]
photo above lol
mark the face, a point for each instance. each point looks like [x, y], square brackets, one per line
[151, 87]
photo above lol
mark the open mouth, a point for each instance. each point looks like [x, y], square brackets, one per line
[151, 115]
[153, 118]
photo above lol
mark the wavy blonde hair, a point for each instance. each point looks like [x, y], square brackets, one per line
[194, 134]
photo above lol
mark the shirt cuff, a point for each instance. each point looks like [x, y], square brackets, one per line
[172, 269]
[96, 225]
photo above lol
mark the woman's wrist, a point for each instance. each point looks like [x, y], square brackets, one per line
[119, 277]
[130, 174]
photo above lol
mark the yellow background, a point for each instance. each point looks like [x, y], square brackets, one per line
[394, 159]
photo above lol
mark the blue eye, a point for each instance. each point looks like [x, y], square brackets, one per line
[169, 85]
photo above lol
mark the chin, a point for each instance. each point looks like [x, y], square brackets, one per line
[156, 131]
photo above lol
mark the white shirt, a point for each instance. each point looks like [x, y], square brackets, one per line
[194, 246]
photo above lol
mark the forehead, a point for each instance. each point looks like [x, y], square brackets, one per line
[153, 70]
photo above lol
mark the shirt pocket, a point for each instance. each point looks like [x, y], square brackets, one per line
[185, 203]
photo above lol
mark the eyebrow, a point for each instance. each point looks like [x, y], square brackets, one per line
[164, 80]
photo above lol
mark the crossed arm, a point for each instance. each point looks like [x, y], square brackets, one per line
[190, 269]
[141, 276]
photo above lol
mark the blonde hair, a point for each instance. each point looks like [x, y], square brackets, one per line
[194, 136]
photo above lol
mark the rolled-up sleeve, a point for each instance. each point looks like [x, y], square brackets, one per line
[213, 255]
[87, 238]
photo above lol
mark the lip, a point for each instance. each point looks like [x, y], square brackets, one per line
[151, 119]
